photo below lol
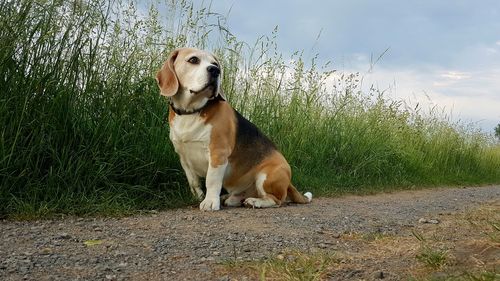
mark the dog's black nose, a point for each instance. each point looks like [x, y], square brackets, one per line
[213, 70]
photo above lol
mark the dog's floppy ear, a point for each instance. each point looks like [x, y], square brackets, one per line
[220, 93]
[166, 77]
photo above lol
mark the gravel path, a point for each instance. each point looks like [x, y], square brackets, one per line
[186, 244]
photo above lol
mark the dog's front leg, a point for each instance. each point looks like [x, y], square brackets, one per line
[215, 176]
[193, 180]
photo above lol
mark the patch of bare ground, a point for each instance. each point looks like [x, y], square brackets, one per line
[461, 246]
[435, 234]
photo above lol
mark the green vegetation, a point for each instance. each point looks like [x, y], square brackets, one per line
[83, 128]
[290, 266]
[433, 258]
[430, 255]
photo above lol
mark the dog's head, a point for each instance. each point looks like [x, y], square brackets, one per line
[191, 72]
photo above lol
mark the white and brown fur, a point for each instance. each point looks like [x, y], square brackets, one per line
[215, 142]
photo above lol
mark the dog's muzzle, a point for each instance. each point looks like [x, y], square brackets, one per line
[213, 79]
[213, 71]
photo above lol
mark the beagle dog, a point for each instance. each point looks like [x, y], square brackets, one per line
[216, 143]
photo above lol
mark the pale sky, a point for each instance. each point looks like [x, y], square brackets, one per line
[448, 51]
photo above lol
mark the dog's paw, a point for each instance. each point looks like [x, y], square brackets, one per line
[252, 202]
[210, 204]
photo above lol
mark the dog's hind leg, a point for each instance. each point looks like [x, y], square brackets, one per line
[266, 202]
[265, 198]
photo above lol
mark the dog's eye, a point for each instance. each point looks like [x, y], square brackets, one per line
[194, 60]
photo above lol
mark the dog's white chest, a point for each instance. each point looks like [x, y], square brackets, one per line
[191, 138]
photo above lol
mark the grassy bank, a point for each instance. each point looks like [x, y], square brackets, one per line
[83, 128]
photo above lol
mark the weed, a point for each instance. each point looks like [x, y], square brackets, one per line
[433, 258]
[429, 255]
[292, 265]
[374, 236]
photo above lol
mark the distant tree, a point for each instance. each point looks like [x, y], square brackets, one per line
[497, 131]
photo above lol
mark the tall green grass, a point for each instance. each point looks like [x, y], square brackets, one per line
[85, 131]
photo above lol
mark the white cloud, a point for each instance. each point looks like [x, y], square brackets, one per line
[455, 75]
[463, 96]
[469, 96]
[449, 78]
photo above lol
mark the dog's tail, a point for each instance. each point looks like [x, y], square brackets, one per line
[297, 197]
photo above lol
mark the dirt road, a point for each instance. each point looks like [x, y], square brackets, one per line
[370, 236]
